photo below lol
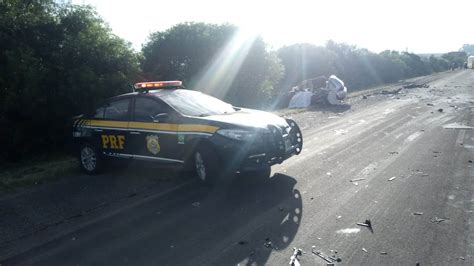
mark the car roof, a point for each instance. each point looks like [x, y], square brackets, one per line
[162, 92]
[152, 93]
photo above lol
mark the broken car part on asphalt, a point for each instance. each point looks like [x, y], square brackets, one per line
[294, 260]
[438, 220]
[357, 179]
[329, 259]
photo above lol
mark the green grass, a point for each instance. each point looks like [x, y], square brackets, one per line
[37, 171]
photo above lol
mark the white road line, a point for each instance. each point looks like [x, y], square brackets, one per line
[461, 135]
[413, 136]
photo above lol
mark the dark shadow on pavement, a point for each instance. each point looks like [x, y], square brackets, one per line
[267, 217]
[240, 221]
[340, 108]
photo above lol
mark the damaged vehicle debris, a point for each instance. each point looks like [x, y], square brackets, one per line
[319, 90]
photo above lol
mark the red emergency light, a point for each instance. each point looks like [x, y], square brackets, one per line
[158, 85]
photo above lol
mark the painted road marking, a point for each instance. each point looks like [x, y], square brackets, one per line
[461, 135]
[413, 136]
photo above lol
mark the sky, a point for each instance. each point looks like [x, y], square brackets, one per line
[418, 26]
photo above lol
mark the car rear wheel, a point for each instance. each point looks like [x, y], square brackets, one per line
[206, 165]
[89, 159]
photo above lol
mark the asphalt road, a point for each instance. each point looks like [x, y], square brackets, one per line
[424, 214]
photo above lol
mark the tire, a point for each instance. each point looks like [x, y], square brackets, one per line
[89, 159]
[206, 165]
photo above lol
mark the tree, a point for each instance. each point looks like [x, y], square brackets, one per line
[57, 61]
[468, 49]
[213, 58]
[181, 51]
[457, 58]
[438, 64]
[358, 67]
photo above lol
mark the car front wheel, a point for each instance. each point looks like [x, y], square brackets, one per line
[89, 159]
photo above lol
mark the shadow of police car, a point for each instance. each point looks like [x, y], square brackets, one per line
[164, 123]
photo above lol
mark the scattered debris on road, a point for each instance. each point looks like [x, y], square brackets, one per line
[339, 217]
[357, 179]
[430, 104]
[340, 131]
[470, 161]
[268, 243]
[196, 204]
[365, 250]
[438, 220]
[367, 223]
[393, 152]
[334, 257]
[329, 259]
[440, 110]
[383, 253]
[414, 85]
[392, 178]
[243, 242]
[417, 213]
[294, 260]
[396, 91]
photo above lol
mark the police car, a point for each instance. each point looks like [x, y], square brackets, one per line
[165, 123]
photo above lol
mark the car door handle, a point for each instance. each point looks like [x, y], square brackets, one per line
[134, 133]
[98, 130]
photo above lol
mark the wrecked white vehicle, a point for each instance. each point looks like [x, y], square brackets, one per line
[319, 90]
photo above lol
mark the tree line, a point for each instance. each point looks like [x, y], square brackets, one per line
[59, 60]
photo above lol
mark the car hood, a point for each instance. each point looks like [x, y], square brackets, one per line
[249, 118]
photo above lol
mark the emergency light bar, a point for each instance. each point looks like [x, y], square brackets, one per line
[158, 85]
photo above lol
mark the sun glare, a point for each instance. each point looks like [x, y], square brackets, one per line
[218, 76]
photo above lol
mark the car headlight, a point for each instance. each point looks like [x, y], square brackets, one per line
[237, 134]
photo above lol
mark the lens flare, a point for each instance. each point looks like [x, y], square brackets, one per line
[219, 75]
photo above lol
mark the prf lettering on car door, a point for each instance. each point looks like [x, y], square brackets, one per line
[113, 142]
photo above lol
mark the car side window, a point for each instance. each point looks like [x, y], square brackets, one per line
[146, 109]
[99, 113]
[117, 110]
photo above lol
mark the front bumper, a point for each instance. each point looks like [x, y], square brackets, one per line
[271, 147]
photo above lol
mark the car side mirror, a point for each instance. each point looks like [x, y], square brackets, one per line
[161, 118]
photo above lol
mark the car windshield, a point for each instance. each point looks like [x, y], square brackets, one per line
[194, 103]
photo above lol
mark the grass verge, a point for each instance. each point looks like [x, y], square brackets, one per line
[36, 172]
